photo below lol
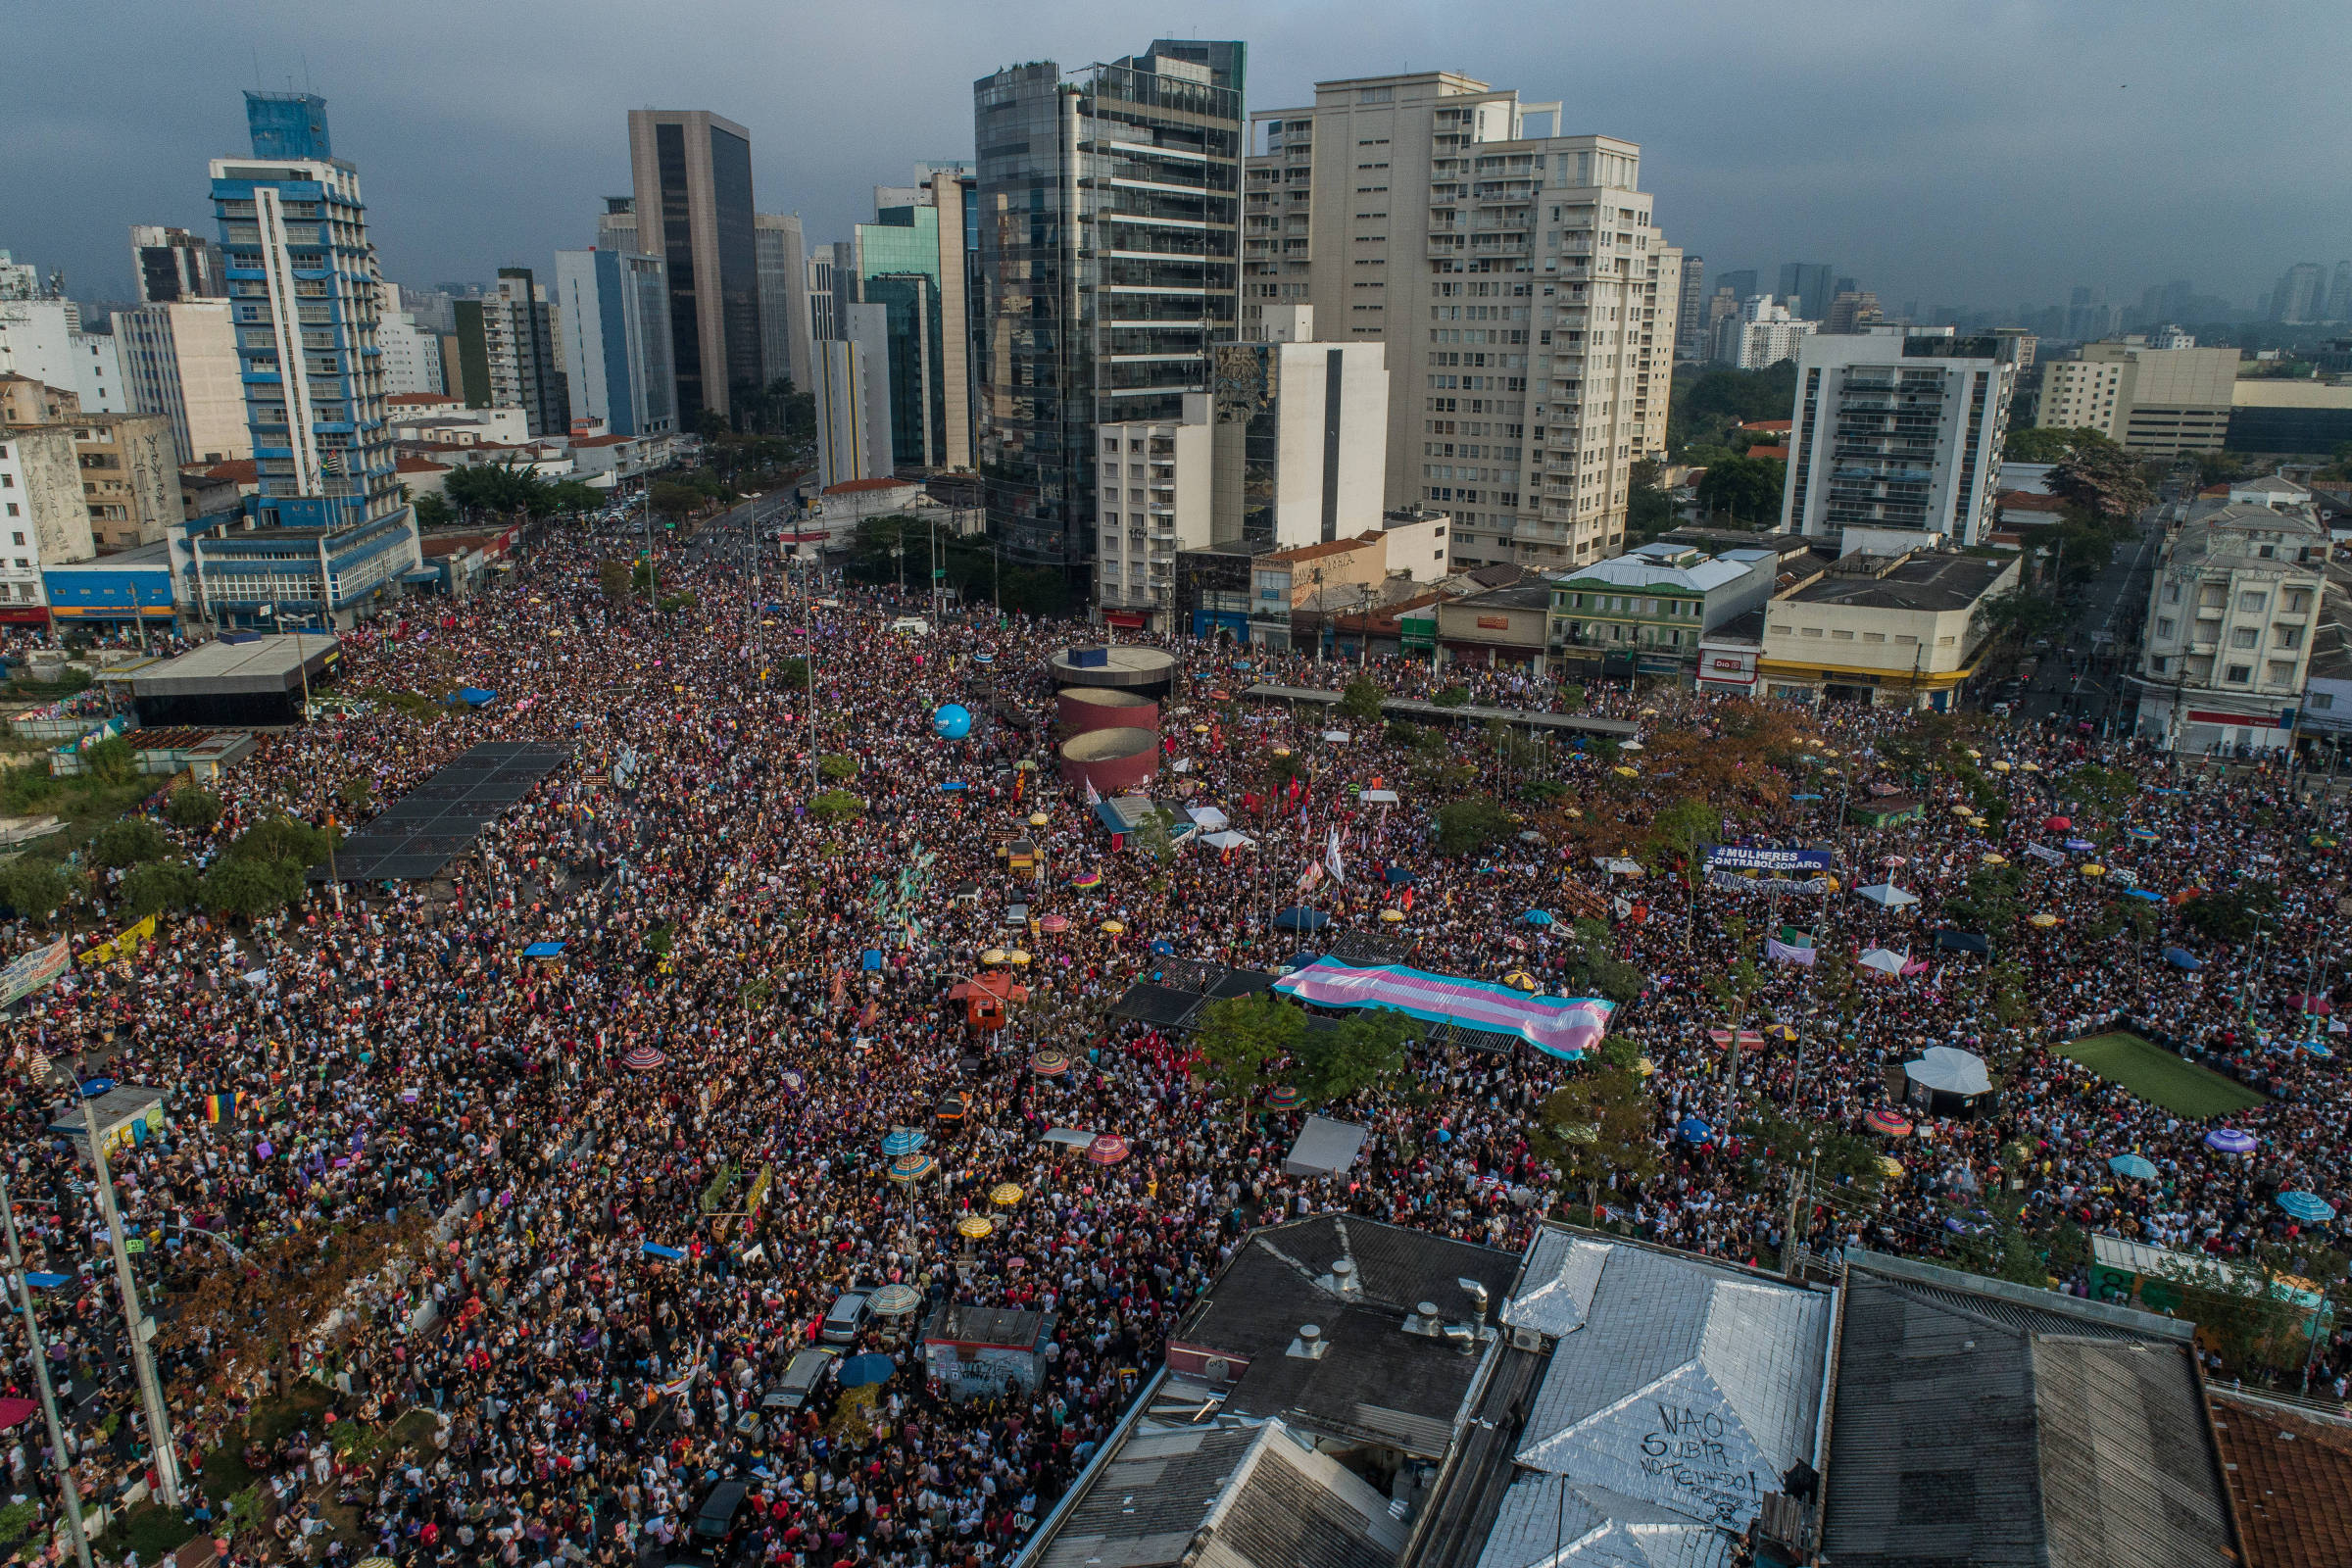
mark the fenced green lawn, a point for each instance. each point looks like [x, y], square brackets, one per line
[2159, 1076]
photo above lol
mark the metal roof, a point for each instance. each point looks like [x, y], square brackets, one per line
[259, 665]
[1688, 1386]
[2009, 1426]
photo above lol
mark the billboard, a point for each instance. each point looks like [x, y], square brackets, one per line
[1741, 858]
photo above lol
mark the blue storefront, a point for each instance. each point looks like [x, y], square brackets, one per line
[127, 588]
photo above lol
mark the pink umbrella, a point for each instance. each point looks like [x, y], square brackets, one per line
[1053, 924]
[1107, 1149]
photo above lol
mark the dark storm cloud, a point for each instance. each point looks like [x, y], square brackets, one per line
[1945, 152]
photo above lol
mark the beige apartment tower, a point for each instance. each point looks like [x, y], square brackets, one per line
[1525, 298]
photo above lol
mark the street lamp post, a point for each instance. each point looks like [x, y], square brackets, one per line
[40, 1370]
[134, 1323]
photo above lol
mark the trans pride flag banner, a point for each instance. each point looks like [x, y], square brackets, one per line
[1562, 1026]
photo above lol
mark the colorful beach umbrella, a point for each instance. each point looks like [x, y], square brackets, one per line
[1107, 1149]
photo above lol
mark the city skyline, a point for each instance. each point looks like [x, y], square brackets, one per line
[1792, 137]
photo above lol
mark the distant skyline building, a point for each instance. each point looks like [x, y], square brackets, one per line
[1690, 311]
[912, 261]
[411, 355]
[853, 405]
[1807, 287]
[41, 337]
[613, 308]
[179, 360]
[1896, 438]
[691, 172]
[1527, 300]
[1763, 334]
[333, 535]
[2300, 295]
[1742, 281]
[783, 258]
[173, 263]
[1109, 220]
[823, 320]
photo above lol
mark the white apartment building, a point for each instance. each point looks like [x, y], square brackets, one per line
[1153, 485]
[1525, 299]
[1302, 434]
[42, 338]
[179, 359]
[409, 356]
[1763, 334]
[2231, 617]
[1896, 436]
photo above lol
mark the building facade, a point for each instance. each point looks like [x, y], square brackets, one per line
[1525, 298]
[613, 307]
[2082, 395]
[1884, 631]
[1690, 311]
[1897, 437]
[1645, 613]
[43, 518]
[2167, 400]
[853, 415]
[782, 254]
[1302, 431]
[2231, 617]
[328, 534]
[41, 337]
[1762, 334]
[1155, 479]
[179, 360]
[1108, 226]
[169, 264]
[693, 204]
[408, 353]
[912, 261]
[509, 350]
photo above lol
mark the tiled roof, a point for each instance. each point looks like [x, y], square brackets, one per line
[1317, 551]
[244, 470]
[2290, 1476]
[419, 466]
[851, 487]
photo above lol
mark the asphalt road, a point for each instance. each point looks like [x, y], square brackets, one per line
[2081, 672]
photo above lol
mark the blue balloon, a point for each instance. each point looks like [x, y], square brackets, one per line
[952, 721]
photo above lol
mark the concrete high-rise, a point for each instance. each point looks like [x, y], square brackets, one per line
[1896, 438]
[179, 360]
[172, 263]
[331, 535]
[411, 355]
[509, 353]
[693, 176]
[783, 253]
[1525, 298]
[2301, 294]
[613, 307]
[1108, 226]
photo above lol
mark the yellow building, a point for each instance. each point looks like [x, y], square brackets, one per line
[1896, 631]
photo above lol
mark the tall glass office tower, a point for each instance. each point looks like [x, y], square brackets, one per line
[1108, 219]
[693, 176]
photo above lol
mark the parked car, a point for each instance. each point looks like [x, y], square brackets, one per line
[799, 1382]
[715, 1519]
[845, 1317]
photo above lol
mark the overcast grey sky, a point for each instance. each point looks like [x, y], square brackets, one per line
[1947, 151]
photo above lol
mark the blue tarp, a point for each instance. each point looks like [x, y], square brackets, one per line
[474, 696]
[1299, 919]
[860, 1371]
[2183, 958]
[48, 1282]
[656, 1249]
[870, 958]
[544, 950]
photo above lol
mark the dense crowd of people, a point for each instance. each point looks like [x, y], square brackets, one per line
[624, 1184]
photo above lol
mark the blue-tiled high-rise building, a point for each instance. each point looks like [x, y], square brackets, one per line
[328, 536]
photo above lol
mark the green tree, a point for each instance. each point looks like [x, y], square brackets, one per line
[2232, 915]
[1360, 701]
[355, 796]
[197, 810]
[2049, 443]
[1744, 490]
[833, 769]
[282, 838]
[433, 511]
[1362, 1051]
[835, 805]
[250, 886]
[673, 500]
[2104, 481]
[1471, 824]
[2017, 618]
[570, 498]
[36, 889]
[502, 489]
[614, 578]
[790, 673]
[1594, 968]
[1677, 832]
[1242, 1040]
[1598, 1124]
[1707, 401]
[127, 841]
[2107, 791]
[1452, 697]
[158, 886]
[1648, 506]
[1832, 1155]
[113, 761]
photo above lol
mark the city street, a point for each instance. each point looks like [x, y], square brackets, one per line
[2082, 670]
